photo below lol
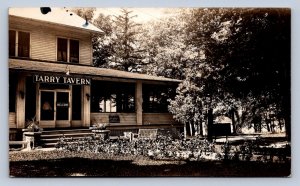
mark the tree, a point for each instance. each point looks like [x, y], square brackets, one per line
[188, 106]
[242, 47]
[121, 48]
[167, 53]
[86, 13]
[103, 44]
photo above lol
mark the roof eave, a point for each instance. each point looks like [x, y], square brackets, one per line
[58, 24]
[29, 65]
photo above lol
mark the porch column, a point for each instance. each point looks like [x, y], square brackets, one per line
[20, 101]
[139, 102]
[86, 113]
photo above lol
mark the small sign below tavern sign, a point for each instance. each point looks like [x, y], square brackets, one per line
[60, 104]
[61, 80]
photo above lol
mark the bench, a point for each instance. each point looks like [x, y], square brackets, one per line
[146, 134]
[142, 134]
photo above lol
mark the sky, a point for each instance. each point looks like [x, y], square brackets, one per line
[143, 14]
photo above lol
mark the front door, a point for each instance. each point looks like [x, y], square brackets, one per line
[54, 108]
[62, 110]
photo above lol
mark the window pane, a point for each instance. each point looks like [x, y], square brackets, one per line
[113, 104]
[101, 106]
[23, 44]
[62, 106]
[76, 102]
[155, 97]
[12, 43]
[62, 48]
[107, 105]
[74, 51]
[47, 105]
[112, 97]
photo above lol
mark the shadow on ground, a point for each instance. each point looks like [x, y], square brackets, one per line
[67, 167]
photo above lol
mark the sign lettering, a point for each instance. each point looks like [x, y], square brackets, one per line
[61, 80]
[60, 104]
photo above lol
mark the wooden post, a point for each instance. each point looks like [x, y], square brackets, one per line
[20, 101]
[86, 113]
[139, 103]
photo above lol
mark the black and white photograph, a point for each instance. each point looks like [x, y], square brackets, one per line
[149, 92]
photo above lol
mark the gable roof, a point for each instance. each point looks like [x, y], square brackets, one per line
[58, 16]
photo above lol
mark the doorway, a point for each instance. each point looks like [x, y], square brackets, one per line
[55, 108]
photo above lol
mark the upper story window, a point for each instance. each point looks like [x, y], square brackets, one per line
[19, 43]
[67, 50]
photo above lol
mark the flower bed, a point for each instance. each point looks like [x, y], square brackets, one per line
[164, 147]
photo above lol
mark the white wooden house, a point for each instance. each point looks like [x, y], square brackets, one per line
[52, 79]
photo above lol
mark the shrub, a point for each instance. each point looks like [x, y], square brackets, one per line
[163, 147]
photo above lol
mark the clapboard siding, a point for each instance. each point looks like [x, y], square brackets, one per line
[43, 46]
[85, 51]
[12, 120]
[125, 118]
[158, 118]
[44, 37]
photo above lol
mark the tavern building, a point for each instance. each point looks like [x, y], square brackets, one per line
[52, 78]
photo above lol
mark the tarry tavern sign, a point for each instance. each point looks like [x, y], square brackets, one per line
[61, 79]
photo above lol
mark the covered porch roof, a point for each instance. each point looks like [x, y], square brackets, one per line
[36, 66]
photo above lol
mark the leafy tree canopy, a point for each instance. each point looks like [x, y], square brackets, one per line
[247, 59]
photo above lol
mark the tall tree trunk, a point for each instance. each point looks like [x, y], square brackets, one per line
[259, 127]
[287, 122]
[232, 114]
[268, 122]
[191, 128]
[201, 128]
[184, 131]
[280, 124]
[272, 125]
[210, 124]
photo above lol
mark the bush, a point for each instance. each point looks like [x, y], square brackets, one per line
[163, 147]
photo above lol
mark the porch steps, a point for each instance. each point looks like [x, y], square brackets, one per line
[50, 138]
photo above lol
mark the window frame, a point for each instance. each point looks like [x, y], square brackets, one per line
[108, 104]
[68, 49]
[16, 43]
[101, 99]
[70, 57]
[57, 51]
[154, 100]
